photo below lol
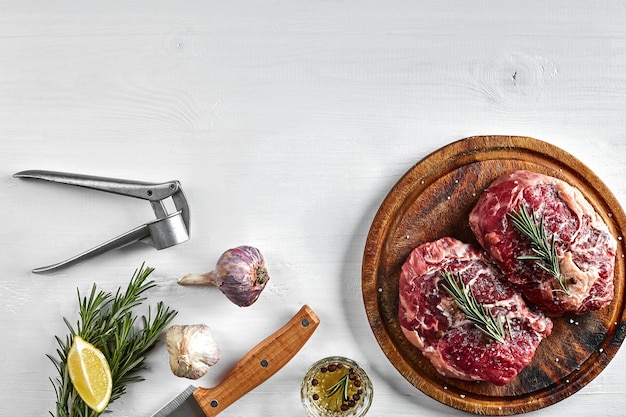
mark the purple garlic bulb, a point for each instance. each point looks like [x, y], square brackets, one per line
[240, 274]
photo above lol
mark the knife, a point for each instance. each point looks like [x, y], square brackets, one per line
[256, 366]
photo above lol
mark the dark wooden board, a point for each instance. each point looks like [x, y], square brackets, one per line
[433, 199]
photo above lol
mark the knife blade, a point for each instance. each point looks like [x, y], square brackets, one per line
[183, 405]
[254, 368]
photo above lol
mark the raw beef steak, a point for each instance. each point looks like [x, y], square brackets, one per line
[431, 320]
[584, 246]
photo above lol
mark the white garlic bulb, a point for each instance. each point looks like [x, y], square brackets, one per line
[192, 350]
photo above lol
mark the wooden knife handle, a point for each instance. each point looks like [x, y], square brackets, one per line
[263, 361]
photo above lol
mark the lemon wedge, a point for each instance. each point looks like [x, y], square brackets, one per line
[90, 374]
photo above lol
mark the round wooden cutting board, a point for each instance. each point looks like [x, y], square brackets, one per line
[433, 199]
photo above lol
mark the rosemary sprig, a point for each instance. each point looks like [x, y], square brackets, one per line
[109, 323]
[481, 316]
[544, 251]
[341, 388]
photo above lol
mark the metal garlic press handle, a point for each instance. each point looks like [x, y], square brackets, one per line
[167, 230]
[144, 190]
[118, 242]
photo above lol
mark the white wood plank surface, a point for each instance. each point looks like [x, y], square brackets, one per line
[287, 122]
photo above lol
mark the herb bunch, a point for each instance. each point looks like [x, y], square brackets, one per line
[480, 315]
[109, 323]
[544, 251]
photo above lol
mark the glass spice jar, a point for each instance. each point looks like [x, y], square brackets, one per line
[336, 387]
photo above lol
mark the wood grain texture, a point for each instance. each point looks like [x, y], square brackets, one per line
[433, 200]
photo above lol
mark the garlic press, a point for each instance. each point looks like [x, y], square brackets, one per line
[168, 229]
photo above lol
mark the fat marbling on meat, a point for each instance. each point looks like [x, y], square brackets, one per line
[585, 247]
[431, 320]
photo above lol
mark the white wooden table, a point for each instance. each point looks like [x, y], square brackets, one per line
[287, 122]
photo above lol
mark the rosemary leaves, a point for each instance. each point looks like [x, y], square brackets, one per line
[482, 317]
[341, 389]
[544, 251]
[109, 323]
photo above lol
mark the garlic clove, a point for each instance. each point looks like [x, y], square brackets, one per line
[192, 350]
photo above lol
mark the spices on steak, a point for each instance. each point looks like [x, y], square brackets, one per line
[582, 243]
[432, 321]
